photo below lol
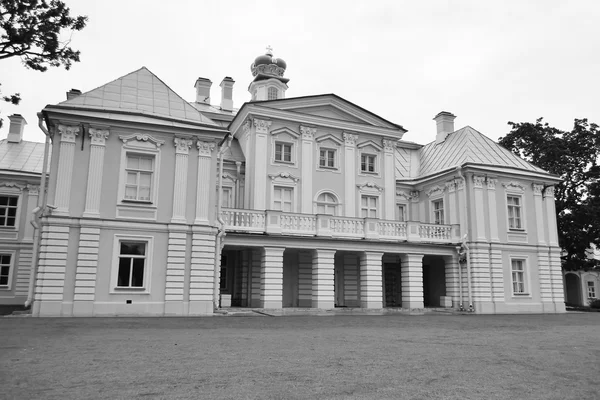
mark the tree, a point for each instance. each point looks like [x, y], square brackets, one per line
[31, 30]
[574, 156]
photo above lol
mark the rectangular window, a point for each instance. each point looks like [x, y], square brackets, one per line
[4, 270]
[367, 162]
[401, 212]
[514, 212]
[8, 210]
[282, 198]
[283, 152]
[227, 198]
[591, 290]
[518, 276]
[368, 206]
[272, 93]
[139, 172]
[132, 264]
[327, 158]
[438, 212]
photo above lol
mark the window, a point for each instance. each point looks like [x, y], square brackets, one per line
[368, 206]
[132, 264]
[327, 204]
[8, 210]
[272, 93]
[367, 162]
[514, 212]
[139, 170]
[591, 290]
[282, 198]
[4, 270]
[438, 212]
[227, 198]
[518, 276]
[327, 158]
[401, 212]
[283, 152]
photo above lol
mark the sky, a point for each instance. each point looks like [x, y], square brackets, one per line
[486, 62]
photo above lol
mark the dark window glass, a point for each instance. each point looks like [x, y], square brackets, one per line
[124, 271]
[137, 277]
[135, 248]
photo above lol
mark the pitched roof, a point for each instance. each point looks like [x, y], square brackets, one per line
[142, 92]
[468, 146]
[21, 157]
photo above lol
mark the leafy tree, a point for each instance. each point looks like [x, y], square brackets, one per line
[574, 156]
[31, 30]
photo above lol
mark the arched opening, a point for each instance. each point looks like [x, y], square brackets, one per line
[573, 286]
[327, 203]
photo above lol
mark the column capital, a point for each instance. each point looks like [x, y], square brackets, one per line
[537, 189]
[33, 190]
[262, 125]
[451, 186]
[478, 181]
[349, 139]
[549, 192]
[389, 145]
[68, 133]
[414, 196]
[98, 136]
[308, 132]
[205, 149]
[491, 183]
[182, 145]
[409, 257]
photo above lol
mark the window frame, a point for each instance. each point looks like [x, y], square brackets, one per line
[524, 260]
[368, 196]
[401, 212]
[518, 207]
[145, 289]
[292, 197]
[591, 285]
[436, 211]
[270, 90]
[336, 205]
[375, 166]
[370, 148]
[139, 171]
[11, 268]
[19, 197]
[327, 150]
[282, 152]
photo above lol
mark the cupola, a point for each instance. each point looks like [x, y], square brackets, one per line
[268, 82]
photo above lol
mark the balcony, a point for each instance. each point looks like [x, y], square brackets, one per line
[292, 224]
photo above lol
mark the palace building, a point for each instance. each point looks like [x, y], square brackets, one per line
[159, 206]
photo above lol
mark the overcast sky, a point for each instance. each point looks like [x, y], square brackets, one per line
[486, 62]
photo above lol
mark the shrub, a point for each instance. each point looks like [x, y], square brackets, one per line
[595, 303]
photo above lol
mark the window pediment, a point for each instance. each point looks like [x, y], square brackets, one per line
[284, 132]
[142, 140]
[369, 187]
[369, 145]
[514, 186]
[284, 177]
[328, 140]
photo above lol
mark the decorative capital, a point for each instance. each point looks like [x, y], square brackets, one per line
[460, 184]
[404, 194]
[205, 149]
[33, 189]
[491, 183]
[514, 186]
[414, 195]
[262, 125]
[68, 133]
[350, 138]
[182, 145]
[435, 191]
[549, 192]
[478, 181]
[537, 189]
[388, 144]
[308, 132]
[451, 186]
[246, 125]
[142, 137]
[99, 136]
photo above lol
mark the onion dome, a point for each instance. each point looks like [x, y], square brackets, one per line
[280, 63]
[265, 59]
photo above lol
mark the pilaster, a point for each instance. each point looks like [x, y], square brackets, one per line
[351, 281]
[86, 271]
[551, 216]
[415, 214]
[307, 168]
[260, 163]
[323, 291]
[205, 152]
[371, 280]
[389, 177]
[462, 200]
[350, 174]
[305, 279]
[452, 210]
[271, 277]
[96, 168]
[202, 273]
[451, 272]
[65, 168]
[182, 149]
[175, 274]
[479, 206]
[411, 271]
[492, 211]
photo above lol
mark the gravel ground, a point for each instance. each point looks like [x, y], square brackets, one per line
[302, 357]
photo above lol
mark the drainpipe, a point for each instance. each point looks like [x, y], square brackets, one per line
[460, 304]
[36, 213]
[465, 240]
[225, 143]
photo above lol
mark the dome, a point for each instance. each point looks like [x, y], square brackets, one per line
[264, 59]
[280, 63]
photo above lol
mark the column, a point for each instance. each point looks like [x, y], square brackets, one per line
[389, 178]
[323, 292]
[202, 271]
[85, 273]
[271, 277]
[493, 213]
[351, 280]
[415, 215]
[539, 213]
[255, 268]
[411, 271]
[452, 210]
[96, 167]
[462, 200]
[350, 174]
[307, 168]
[371, 282]
[175, 277]
[205, 151]
[479, 207]
[182, 149]
[66, 157]
[551, 216]
[451, 273]
[305, 283]
[260, 164]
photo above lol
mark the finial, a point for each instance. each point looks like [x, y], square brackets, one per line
[269, 51]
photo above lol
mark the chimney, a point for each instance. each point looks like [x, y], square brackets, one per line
[445, 125]
[71, 94]
[227, 94]
[203, 90]
[15, 131]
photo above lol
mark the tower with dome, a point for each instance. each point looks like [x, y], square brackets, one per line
[269, 82]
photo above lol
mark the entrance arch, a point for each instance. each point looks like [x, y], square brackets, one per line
[573, 286]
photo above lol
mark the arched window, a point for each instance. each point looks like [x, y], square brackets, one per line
[327, 204]
[272, 93]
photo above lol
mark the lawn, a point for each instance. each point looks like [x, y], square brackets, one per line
[302, 357]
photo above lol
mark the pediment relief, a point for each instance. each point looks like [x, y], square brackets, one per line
[285, 132]
[369, 144]
[369, 187]
[329, 140]
[284, 177]
[142, 140]
[435, 191]
[514, 186]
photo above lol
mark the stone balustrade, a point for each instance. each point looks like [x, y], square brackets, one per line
[294, 224]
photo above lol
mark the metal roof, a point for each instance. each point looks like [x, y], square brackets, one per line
[21, 157]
